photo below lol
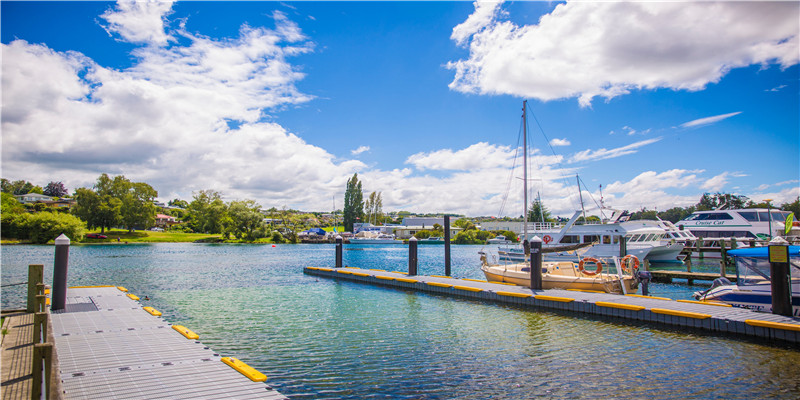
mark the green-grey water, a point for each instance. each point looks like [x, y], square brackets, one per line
[321, 338]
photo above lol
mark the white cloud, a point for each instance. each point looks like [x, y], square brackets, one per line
[477, 156]
[776, 89]
[708, 120]
[183, 118]
[603, 154]
[716, 183]
[560, 142]
[139, 21]
[359, 150]
[589, 49]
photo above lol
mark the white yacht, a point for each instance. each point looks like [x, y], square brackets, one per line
[742, 224]
[378, 239]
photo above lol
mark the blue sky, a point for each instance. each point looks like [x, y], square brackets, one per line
[283, 102]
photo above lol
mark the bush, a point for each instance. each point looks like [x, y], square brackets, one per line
[277, 237]
[45, 226]
[12, 225]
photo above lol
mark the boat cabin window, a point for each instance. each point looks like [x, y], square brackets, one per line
[779, 216]
[590, 238]
[723, 234]
[751, 216]
[570, 239]
[606, 239]
[709, 217]
[763, 216]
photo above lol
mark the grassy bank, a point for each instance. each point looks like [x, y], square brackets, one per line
[151, 237]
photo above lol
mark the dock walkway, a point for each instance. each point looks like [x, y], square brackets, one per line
[709, 317]
[17, 356]
[109, 347]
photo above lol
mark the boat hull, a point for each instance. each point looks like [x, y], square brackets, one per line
[560, 276]
[754, 298]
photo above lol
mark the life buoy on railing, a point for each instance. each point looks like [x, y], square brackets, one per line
[547, 239]
[597, 262]
[624, 263]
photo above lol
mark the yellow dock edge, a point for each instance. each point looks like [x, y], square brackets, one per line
[648, 297]
[386, 278]
[447, 285]
[152, 311]
[441, 276]
[467, 288]
[345, 272]
[359, 274]
[406, 280]
[474, 280]
[708, 303]
[687, 314]
[324, 269]
[122, 289]
[553, 298]
[400, 272]
[631, 307]
[186, 332]
[244, 369]
[377, 269]
[133, 296]
[587, 291]
[89, 287]
[513, 294]
[773, 325]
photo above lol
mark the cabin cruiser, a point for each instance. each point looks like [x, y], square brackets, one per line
[747, 223]
[376, 239]
[752, 288]
[500, 239]
[601, 240]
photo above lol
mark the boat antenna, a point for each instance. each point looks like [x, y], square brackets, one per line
[525, 170]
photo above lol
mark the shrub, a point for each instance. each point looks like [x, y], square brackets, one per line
[45, 226]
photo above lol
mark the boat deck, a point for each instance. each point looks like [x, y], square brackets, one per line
[109, 347]
[709, 317]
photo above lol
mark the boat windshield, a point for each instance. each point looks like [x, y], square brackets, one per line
[754, 270]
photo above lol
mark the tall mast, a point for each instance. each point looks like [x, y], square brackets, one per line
[580, 194]
[525, 169]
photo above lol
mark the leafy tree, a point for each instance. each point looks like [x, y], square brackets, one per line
[178, 203]
[793, 207]
[675, 214]
[17, 187]
[10, 204]
[206, 212]
[464, 224]
[245, 220]
[45, 226]
[353, 203]
[55, 189]
[138, 210]
[539, 212]
[644, 214]
[717, 200]
[99, 211]
[374, 208]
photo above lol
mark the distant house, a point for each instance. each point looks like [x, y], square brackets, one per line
[406, 232]
[32, 198]
[166, 221]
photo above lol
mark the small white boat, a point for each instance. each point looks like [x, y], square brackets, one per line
[379, 239]
[431, 240]
[500, 239]
[753, 288]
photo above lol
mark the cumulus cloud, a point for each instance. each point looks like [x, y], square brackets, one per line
[359, 150]
[716, 183]
[588, 49]
[139, 21]
[477, 156]
[708, 120]
[183, 118]
[559, 142]
[603, 153]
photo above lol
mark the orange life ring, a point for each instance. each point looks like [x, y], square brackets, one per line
[625, 264]
[547, 239]
[596, 262]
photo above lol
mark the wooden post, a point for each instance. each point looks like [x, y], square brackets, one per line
[412, 256]
[623, 246]
[447, 245]
[688, 262]
[646, 263]
[39, 327]
[536, 263]
[42, 363]
[35, 276]
[723, 263]
[338, 251]
[60, 273]
[700, 247]
[780, 277]
[41, 303]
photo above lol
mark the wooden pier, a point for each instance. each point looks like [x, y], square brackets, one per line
[714, 318]
[110, 347]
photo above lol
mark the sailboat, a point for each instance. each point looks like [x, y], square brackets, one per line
[587, 274]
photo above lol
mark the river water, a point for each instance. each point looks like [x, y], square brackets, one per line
[320, 338]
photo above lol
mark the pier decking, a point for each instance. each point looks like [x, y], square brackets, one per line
[110, 347]
[710, 317]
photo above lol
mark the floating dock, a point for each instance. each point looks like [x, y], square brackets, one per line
[110, 347]
[715, 318]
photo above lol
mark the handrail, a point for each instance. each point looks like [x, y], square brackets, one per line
[43, 349]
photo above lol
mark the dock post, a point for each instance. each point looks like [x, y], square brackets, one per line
[412, 256]
[338, 251]
[700, 247]
[623, 246]
[688, 262]
[35, 276]
[447, 245]
[780, 276]
[536, 263]
[60, 273]
[723, 263]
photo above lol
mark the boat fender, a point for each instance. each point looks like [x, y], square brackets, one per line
[597, 262]
[624, 263]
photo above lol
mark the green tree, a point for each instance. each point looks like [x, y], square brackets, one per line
[245, 220]
[10, 204]
[138, 210]
[464, 224]
[17, 187]
[539, 213]
[373, 208]
[644, 214]
[206, 212]
[721, 200]
[45, 226]
[178, 203]
[353, 203]
[793, 207]
[99, 211]
[675, 214]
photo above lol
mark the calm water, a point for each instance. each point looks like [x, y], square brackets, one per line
[319, 338]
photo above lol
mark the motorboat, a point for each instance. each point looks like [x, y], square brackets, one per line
[431, 240]
[588, 274]
[753, 287]
[742, 224]
[378, 239]
[500, 239]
